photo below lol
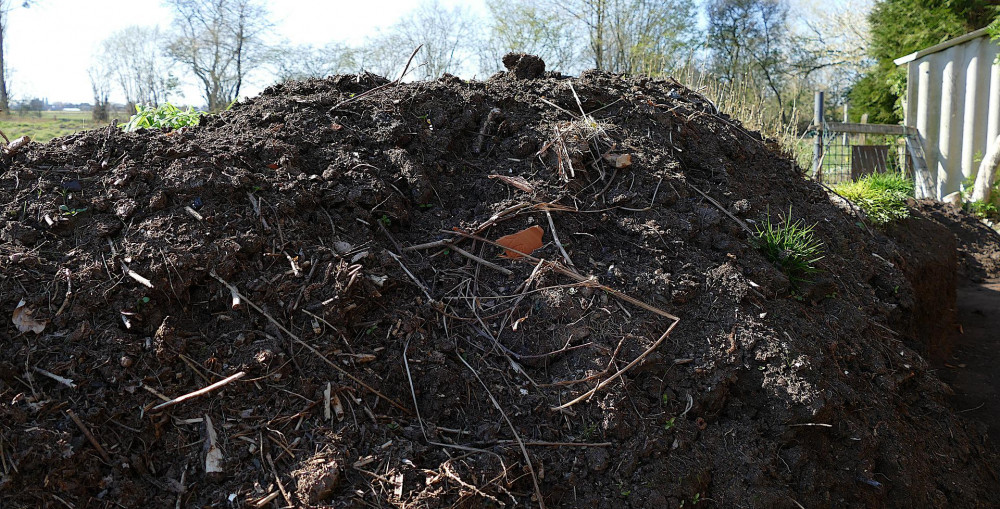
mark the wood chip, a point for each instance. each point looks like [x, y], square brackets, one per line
[213, 454]
[518, 182]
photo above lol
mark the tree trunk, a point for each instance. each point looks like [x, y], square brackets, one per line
[4, 100]
[987, 173]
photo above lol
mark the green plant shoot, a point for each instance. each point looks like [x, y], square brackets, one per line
[164, 115]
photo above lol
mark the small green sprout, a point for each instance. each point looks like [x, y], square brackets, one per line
[66, 211]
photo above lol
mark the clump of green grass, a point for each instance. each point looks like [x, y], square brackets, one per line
[983, 210]
[881, 195]
[164, 115]
[791, 245]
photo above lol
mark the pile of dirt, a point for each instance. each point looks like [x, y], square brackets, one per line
[929, 254]
[317, 239]
[972, 369]
[978, 244]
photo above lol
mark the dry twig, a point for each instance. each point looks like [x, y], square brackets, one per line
[281, 486]
[90, 436]
[475, 258]
[65, 381]
[382, 87]
[200, 392]
[723, 209]
[555, 237]
[309, 347]
[135, 275]
[621, 371]
[520, 443]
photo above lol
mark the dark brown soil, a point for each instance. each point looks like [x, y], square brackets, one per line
[978, 244]
[307, 200]
[929, 256]
[972, 369]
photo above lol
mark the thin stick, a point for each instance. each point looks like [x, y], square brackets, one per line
[620, 372]
[135, 275]
[387, 85]
[482, 261]
[200, 392]
[155, 392]
[556, 106]
[412, 277]
[267, 500]
[281, 486]
[413, 393]
[592, 280]
[520, 443]
[578, 103]
[69, 292]
[558, 444]
[180, 495]
[723, 209]
[307, 346]
[89, 435]
[428, 245]
[65, 381]
[555, 237]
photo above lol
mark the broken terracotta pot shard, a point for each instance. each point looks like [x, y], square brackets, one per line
[525, 241]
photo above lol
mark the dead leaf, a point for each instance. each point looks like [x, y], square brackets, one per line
[619, 160]
[518, 182]
[525, 241]
[24, 322]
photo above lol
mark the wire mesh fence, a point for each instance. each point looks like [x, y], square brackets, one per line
[849, 156]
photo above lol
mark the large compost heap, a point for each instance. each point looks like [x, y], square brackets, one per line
[333, 241]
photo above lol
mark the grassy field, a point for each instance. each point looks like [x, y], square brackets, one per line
[51, 124]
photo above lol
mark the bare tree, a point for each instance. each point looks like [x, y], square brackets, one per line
[5, 7]
[297, 62]
[527, 26]
[750, 38]
[829, 44]
[135, 58]
[627, 36]
[100, 83]
[219, 41]
[448, 37]
[636, 36]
